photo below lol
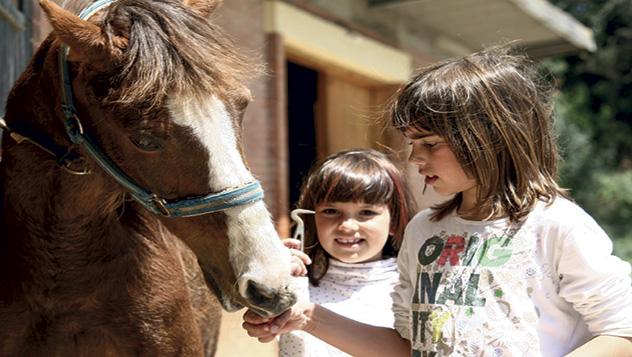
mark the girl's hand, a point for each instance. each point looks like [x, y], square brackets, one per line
[299, 259]
[265, 329]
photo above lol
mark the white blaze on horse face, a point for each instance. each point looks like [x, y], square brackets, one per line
[256, 252]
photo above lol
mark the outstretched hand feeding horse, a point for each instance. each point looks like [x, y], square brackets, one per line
[125, 133]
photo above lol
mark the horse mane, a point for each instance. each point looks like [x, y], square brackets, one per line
[171, 50]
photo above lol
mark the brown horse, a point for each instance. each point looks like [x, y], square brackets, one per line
[118, 145]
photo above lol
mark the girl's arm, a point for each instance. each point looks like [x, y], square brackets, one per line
[351, 336]
[605, 346]
[595, 282]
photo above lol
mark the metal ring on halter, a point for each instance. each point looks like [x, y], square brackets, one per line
[67, 159]
[67, 168]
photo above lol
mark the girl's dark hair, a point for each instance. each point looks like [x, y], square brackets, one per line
[357, 175]
[496, 115]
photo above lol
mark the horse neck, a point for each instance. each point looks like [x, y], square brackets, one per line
[65, 223]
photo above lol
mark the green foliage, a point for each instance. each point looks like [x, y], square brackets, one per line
[594, 117]
[614, 199]
[595, 182]
[623, 247]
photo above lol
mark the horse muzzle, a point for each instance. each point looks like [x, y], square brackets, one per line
[263, 300]
[266, 301]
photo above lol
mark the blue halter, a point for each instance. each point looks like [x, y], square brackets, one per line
[243, 195]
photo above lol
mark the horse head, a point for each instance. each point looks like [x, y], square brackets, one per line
[158, 91]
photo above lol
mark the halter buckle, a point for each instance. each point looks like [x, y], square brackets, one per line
[73, 126]
[161, 204]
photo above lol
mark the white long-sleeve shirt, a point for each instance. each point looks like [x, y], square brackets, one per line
[360, 291]
[472, 288]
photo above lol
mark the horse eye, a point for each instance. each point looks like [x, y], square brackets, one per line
[146, 142]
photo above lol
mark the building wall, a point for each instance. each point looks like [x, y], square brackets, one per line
[15, 45]
[263, 141]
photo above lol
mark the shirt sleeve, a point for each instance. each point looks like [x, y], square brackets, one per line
[403, 291]
[594, 281]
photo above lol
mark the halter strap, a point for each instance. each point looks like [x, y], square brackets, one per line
[65, 157]
[246, 194]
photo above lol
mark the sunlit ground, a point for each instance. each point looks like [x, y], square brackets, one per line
[234, 342]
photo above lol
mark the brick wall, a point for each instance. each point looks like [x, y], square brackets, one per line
[264, 134]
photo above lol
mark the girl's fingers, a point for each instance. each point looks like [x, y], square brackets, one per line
[299, 262]
[280, 321]
[298, 269]
[299, 259]
[258, 330]
[295, 249]
[292, 243]
[304, 258]
[253, 318]
[264, 329]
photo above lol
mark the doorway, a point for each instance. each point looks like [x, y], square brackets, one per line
[302, 98]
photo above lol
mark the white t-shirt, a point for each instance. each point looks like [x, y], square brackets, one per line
[489, 289]
[359, 291]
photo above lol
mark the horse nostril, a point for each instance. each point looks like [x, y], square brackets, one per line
[267, 301]
[259, 293]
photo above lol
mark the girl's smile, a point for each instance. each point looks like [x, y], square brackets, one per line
[349, 242]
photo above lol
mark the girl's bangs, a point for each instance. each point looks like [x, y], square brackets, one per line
[351, 185]
[430, 106]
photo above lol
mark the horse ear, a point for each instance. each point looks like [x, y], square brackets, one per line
[203, 7]
[84, 38]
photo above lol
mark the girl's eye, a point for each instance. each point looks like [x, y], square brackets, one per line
[329, 211]
[421, 143]
[367, 212]
[146, 141]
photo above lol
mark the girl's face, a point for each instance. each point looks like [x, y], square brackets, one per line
[353, 232]
[441, 169]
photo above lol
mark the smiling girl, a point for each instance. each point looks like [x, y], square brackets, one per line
[362, 207]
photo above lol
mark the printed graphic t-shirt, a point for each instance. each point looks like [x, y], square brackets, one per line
[542, 288]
